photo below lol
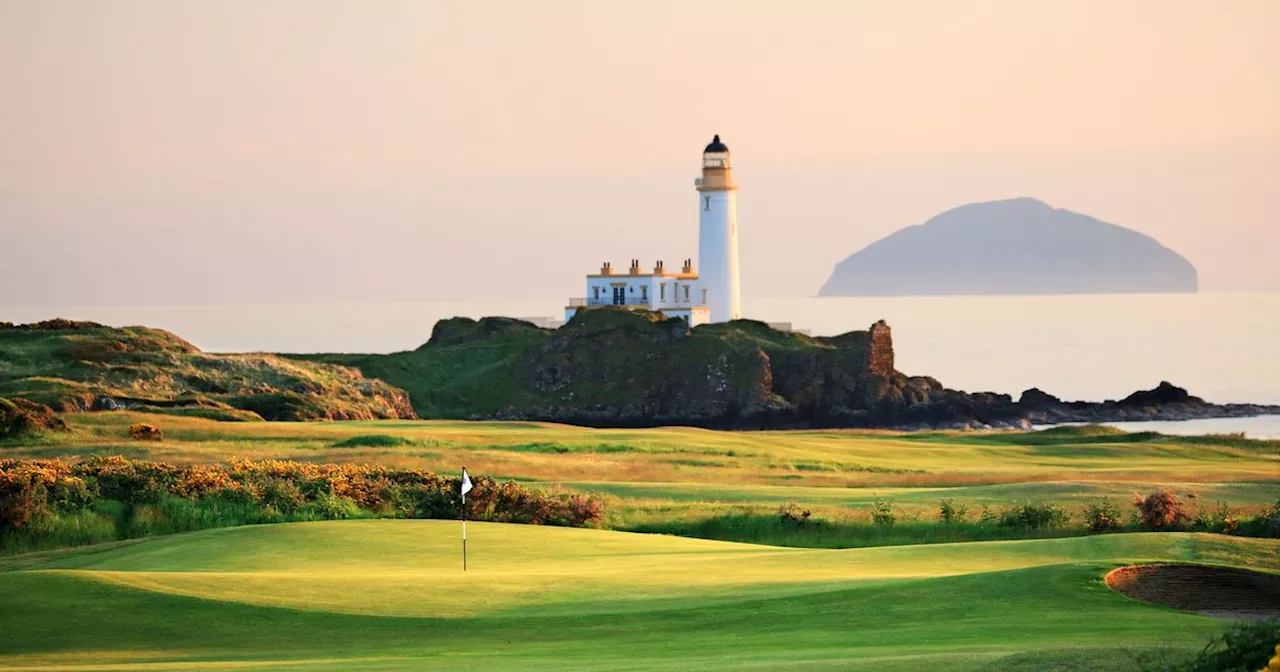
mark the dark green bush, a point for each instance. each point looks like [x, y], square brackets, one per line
[1103, 516]
[1245, 646]
[374, 441]
[43, 501]
[793, 517]
[949, 512]
[882, 513]
[1034, 516]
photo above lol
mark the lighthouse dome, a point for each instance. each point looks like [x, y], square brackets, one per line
[715, 146]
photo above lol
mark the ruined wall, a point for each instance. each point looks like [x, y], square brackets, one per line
[880, 354]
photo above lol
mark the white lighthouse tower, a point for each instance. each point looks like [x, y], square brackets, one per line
[718, 234]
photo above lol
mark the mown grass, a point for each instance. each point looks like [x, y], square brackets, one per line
[392, 595]
[684, 477]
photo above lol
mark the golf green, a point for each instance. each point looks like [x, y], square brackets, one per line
[391, 594]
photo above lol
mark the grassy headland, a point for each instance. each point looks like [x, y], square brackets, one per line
[84, 366]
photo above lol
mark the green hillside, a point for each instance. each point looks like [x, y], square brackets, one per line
[618, 368]
[73, 366]
[392, 595]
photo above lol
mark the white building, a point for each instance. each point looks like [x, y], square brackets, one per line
[712, 296]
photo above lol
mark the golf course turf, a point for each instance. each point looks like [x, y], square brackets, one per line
[386, 594]
[838, 592]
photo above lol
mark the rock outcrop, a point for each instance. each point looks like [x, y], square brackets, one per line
[1164, 402]
[617, 368]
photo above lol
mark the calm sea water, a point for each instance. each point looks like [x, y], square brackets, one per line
[1223, 347]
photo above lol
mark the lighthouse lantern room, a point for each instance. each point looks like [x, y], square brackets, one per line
[709, 295]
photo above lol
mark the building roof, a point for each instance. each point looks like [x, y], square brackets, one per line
[715, 146]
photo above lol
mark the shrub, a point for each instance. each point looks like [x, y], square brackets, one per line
[154, 497]
[792, 517]
[373, 441]
[949, 512]
[1034, 516]
[1103, 516]
[1245, 645]
[142, 431]
[1160, 510]
[882, 513]
[988, 516]
[1217, 520]
[1264, 525]
[22, 417]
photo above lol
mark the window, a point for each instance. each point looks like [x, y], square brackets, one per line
[686, 293]
[662, 289]
[644, 293]
[595, 293]
[619, 296]
[706, 203]
[704, 296]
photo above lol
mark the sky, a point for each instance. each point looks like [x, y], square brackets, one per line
[179, 152]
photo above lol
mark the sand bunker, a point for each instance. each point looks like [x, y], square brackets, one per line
[1213, 591]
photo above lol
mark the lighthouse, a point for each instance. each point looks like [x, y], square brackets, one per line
[718, 234]
[698, 295]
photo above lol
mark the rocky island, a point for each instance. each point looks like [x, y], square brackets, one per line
[1016, 246]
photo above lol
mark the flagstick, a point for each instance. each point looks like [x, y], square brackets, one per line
[464, 531]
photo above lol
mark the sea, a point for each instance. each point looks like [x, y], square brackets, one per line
[1222, 347]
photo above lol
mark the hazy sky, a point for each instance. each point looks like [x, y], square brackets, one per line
[263, 150]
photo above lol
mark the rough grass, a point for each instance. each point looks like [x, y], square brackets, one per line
[683, 475]
[374, 441]
[70, 369]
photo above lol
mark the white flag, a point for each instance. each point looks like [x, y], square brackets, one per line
[466, 482]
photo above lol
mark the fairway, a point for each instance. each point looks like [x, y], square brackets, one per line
[392, 594]
[660, 474]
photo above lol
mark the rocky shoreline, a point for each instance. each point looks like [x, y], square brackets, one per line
[1164, 403]
[605, 368]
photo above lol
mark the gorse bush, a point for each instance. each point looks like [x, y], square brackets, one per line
[949, 512]
[1217, 519]
[1034, 516]
[1160, 510]
[41, 498]
[1246, 646]
[144, 432]
[882, 513]
[793, 517]
[1103, 516]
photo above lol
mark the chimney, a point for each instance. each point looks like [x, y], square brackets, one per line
[606, 269]
[657, 269]
[635, 267]
[688, 265]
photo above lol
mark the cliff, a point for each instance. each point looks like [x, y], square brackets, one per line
[1017, 246]
[611, 367]
[74, 366]
[616, 368]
